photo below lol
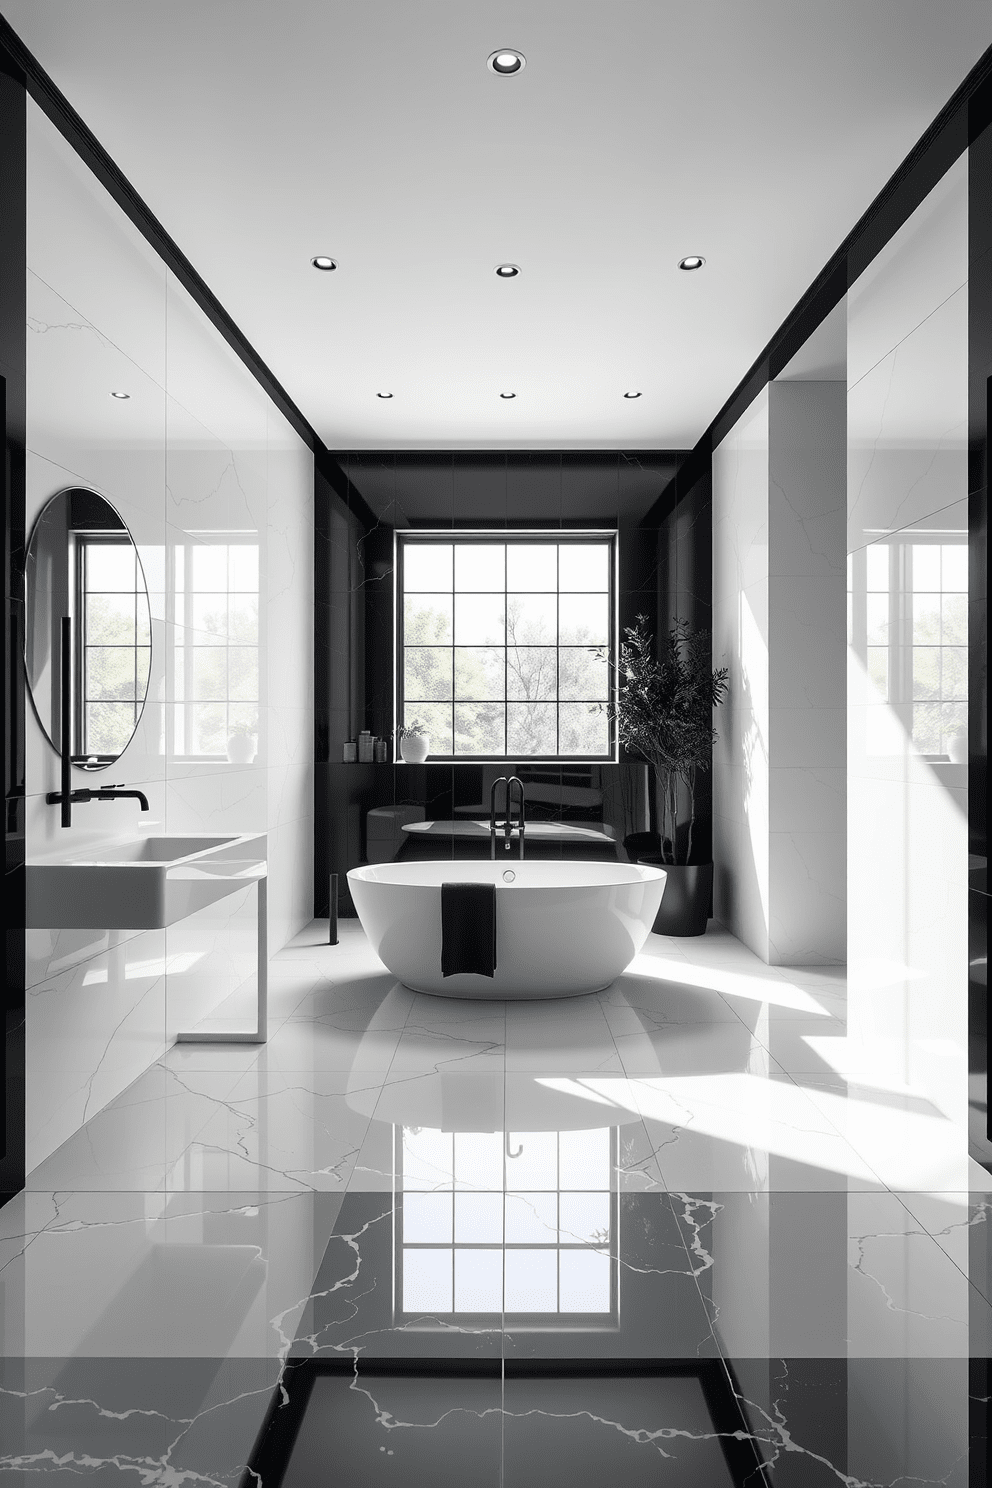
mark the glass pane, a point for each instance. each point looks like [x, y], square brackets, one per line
[582, 674]
[480, 620]
[584, 1158]
[954, 566]
[585, 1218]
[536, 1162]
[208, 726]
[110, 566]
[583, 729]
[583, 619]
[242, 619]
[480, 566]
[479, 1160]
[878, 669]
[478, 1281]
[926, 728]
[143, 621]
[209, 567]
[954, 672]
[209, 617]
[480, 672]
[926, 619]
[531, 728]
[878, 619]
[427, 1218]
[242, 672]
[109, 727]
[479, 1218]
[142, 666]
[426, 566]
[954, 620]
[878, 567]
[436, 718]
[585, 1281]
[584, 566]
[532, 566]
[427, 619]
[243, 715]
[926, 672]
[427, 1281]
[480, 728]
[209, 664]
[926, 566]
[426, 1157]
[531, 1219]
[427, 673]
[243, 568]
[531, 619]
[110, 619]
[531, 1281]
[532, 672]
[109, 672]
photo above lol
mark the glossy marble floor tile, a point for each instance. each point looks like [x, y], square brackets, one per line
[665, 1234]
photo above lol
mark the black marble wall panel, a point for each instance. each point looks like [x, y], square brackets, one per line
[979, 404]
[365, 499]
[13, 316]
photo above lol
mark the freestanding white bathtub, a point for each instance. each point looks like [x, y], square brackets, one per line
[561, 928]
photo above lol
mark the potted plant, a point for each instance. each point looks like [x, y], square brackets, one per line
[241, 743]
[663, 707]
[414, 742]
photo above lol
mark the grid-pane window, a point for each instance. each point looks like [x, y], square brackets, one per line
[939, 576]
[116, 649]
[507, 1222]
[216, 662]
[504, 644]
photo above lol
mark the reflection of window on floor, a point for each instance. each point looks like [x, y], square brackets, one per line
[216, 657]
[915, 632]
[116, 647]
[516, 1222]
[496, 638]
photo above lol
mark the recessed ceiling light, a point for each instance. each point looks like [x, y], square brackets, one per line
[507, 271]
[692, 262]
[384, 395]
[632, 395]
[506, 62]
[321, 261]
[120, 395]
[508, 395]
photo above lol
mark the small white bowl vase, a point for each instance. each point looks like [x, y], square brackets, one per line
[414, 748]
[241, 749]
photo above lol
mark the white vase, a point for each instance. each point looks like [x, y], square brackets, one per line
[957, 747]
[241, 749]
[414, 748]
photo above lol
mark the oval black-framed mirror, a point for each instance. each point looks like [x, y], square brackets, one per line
[82, 563]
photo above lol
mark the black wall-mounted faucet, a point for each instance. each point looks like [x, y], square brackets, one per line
[94, 793]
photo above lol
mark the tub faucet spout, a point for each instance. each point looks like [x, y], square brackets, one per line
[506, 826]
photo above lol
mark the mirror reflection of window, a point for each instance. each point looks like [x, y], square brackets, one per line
[515, 1222]
[115, 651]
[216, 656]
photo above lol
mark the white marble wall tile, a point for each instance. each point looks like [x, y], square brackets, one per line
[223, 798]
[90, 1031]
[808, 896]
[807, 508]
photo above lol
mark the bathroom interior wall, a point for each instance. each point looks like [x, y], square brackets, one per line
[363, 499]
[907, 660]
[211, 480]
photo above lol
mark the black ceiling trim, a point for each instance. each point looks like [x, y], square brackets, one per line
[958, 124]
[62, 114]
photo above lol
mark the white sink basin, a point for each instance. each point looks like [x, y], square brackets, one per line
[142, 883]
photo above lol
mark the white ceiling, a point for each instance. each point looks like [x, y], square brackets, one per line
[754, 132]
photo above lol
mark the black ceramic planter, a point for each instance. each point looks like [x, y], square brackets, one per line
[685, 903]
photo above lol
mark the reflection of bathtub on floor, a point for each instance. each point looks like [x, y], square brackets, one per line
[428, 841]
[561, 928]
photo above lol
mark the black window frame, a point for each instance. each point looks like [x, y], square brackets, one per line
[538, 537]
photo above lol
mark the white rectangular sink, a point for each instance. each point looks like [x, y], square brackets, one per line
[142, 883]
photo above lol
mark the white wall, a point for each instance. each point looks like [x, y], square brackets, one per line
[197, 452]
[907, 817]
[778, 625]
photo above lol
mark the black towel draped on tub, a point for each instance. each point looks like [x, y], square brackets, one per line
[468, 928]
